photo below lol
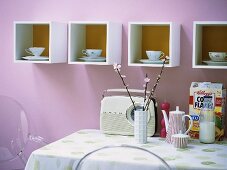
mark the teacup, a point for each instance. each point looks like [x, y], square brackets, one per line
[154, 55]
[92, 52]
[36, 51]
[218, 56]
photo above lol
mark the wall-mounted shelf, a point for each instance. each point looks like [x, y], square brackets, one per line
[94, 35]
[153, 36]
[51, 35]
[209, 36]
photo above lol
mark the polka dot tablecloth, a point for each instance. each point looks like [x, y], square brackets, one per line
[65, 154]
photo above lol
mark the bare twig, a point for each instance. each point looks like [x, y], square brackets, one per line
[155, 85]
[126, 86]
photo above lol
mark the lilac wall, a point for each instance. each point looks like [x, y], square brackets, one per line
[62, 98]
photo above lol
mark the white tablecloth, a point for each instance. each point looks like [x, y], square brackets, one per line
[65, 153]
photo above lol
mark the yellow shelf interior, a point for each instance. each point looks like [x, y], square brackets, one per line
[214, 39]
[96, 37]
[41, 37]
[155, 38]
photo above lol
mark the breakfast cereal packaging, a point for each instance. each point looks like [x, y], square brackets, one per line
[210, 96]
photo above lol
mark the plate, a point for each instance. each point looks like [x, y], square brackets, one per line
[216, 63]
[146, 61]
[36, 58]
[91, 59]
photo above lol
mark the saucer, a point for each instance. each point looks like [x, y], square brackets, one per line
[93, 59]
[36, 58]
[146, 61]
[216, 63]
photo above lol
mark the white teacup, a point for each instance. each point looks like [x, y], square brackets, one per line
[92, 52]
[36, 51]
[218, 56]
[154, 55]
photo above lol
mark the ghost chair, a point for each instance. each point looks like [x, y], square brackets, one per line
[93, 159]
[14, 132]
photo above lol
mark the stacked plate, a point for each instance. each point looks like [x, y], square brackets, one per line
[36, 58]
[216, 63]
[147, 61]
[93, 59]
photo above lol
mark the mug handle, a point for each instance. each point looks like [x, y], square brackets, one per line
[28, 51]
[191, 123]
[84, 52]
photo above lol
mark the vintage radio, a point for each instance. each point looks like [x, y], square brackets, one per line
[117, 113]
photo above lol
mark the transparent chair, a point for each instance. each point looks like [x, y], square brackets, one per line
[14, 131]
[121, 157]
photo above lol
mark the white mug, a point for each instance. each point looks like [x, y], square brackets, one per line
[92, 52]
[154, 55]
[218, 56]
[36, 51]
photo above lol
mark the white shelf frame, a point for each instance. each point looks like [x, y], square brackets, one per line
[76, 42]
[134, 32]
[197, 43]
[57, 41]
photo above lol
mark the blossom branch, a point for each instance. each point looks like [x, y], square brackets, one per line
[155, 85]
[146, 80]
[117, 69]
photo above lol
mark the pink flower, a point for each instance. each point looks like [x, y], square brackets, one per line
[117, 66]
[147, 80]
[166, 58]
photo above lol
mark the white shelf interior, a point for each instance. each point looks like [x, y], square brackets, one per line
[153, 36]
[208, 36]
[51, 35]
[94, 35]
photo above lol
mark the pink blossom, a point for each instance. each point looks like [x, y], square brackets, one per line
[147, 80]
[117, 66]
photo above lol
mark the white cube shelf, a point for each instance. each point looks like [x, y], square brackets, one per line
[51, 35]
[153, 36]
[209, 36]
[94, 35]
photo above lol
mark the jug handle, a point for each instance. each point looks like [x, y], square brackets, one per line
[191, 123]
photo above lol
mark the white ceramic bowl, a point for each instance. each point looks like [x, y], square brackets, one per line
[36, 51]
[92, 52]
[218, 56]
[154, 55]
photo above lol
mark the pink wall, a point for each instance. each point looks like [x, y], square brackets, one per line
[61, 98]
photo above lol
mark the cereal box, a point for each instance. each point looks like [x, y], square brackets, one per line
[211, 96]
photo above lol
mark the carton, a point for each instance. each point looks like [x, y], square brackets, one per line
[211, 96]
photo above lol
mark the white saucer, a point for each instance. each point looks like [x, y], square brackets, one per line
[216, 63]
[36, 58]
[146, 61]
[91, 59]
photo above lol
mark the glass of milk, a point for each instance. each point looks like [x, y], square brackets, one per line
[207, 126]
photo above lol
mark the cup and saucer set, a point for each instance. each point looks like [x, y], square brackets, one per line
[154, 57]
[35, 54]
[217, 59]
[92, 55]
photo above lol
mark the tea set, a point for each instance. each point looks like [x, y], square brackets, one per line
[92, 55]
[217, 58]
[176, 128]
[154, 57]
[35, 53]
